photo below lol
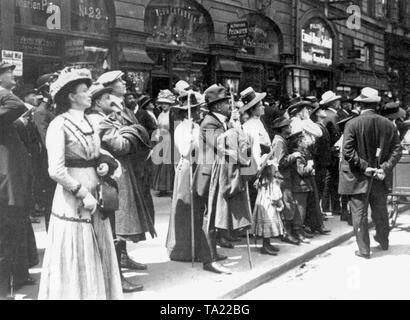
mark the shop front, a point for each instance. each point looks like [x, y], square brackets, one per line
[57, 33]
[313, 75]
[179, 33]
[258, 54]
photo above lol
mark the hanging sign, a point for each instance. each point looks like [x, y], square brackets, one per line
[237, 30]
[15, 58]
[317, 44]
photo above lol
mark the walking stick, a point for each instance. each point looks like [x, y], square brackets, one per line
[366, 204]
[191, 185]
[247, 233]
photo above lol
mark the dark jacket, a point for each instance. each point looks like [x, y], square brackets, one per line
[362, 137]
[322, 150]
[211, 129]
[281, 155]
[300, 174]
[14, 158]
[332, 127]
[146, 121]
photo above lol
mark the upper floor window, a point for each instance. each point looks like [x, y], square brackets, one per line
[369, 55]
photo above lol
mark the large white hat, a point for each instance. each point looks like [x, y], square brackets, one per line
[182, 86]
[109, 77]
[166, 96]
[328, 97]
[67, 76]
[307, 126]
[368, 95]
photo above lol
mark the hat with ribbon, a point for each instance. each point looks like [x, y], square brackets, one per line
[5, 66]
[328, 97]
[69, 76]
[393, 111]
[251, 98]
[97, 90]
[281, 122]
[166, 96]
[348, 118]
[143, 101]
[368, 95]
[318, 112]
[45, 80]
[110, 77]
[215, 94]
[297, 104]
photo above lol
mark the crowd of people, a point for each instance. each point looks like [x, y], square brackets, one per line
[87, 154]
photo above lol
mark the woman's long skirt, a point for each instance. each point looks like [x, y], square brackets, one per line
[179, 232]
[80, 262]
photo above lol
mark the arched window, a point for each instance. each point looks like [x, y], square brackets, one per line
[317, 43]
[263, 39]
[178, 22]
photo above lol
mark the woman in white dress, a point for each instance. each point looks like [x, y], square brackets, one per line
[80, 260]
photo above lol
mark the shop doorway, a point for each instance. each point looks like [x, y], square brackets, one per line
[321, 81]
[159, 83]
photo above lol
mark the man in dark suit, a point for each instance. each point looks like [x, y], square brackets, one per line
[16, 232]
[371, 149]
[331, 201]
[214, 124]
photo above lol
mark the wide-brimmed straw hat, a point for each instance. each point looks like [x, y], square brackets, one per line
[281, 122]
[166, 96]
[368, 95]
[297, 104]
[109, 77]
[4, 66]
[328, 97]
[69, 76]
[251, 98]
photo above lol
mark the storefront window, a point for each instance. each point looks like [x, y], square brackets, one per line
[317, 44]
[86, 54]
[178, 22]
[262, 39]
[89, 16]
[41, 13]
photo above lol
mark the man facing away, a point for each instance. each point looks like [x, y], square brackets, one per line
[370, 152]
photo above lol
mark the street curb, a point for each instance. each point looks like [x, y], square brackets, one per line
[291, 264]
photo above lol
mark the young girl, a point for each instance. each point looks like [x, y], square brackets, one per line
[267, 222]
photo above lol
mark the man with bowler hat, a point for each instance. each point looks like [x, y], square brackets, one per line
[214, 124]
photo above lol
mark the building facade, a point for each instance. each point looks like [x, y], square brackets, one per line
[285, 47]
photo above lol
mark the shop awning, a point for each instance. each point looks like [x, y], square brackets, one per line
[137, 56]
[230, 66]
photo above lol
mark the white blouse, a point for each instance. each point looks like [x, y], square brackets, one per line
[183, 141]
[256, 130]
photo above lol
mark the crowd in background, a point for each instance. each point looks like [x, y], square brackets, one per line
[240, 164]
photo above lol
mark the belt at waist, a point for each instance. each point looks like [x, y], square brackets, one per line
[80, 163]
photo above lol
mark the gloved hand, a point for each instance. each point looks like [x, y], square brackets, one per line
[380, 174]
[90, 203]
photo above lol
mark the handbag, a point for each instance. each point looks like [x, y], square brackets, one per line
[107, 195]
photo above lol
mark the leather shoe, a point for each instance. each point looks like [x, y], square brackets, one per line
[216, 268]
[383, 245]
[267, 250]
[220, 257]
[233, 239]
[306, 234]
[361, 255]
[273, 248]
[128, 263]
[128, 287]
[223, 243]
[299, 235]
[322, 231]
[290, 239]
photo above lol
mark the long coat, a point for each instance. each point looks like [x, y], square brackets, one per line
[211, 128]
[14, 158]
[332, 126]
[228, 194]
[133, 219]
[362, 136]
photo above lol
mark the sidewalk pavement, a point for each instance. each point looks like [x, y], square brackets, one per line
[165, 279]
